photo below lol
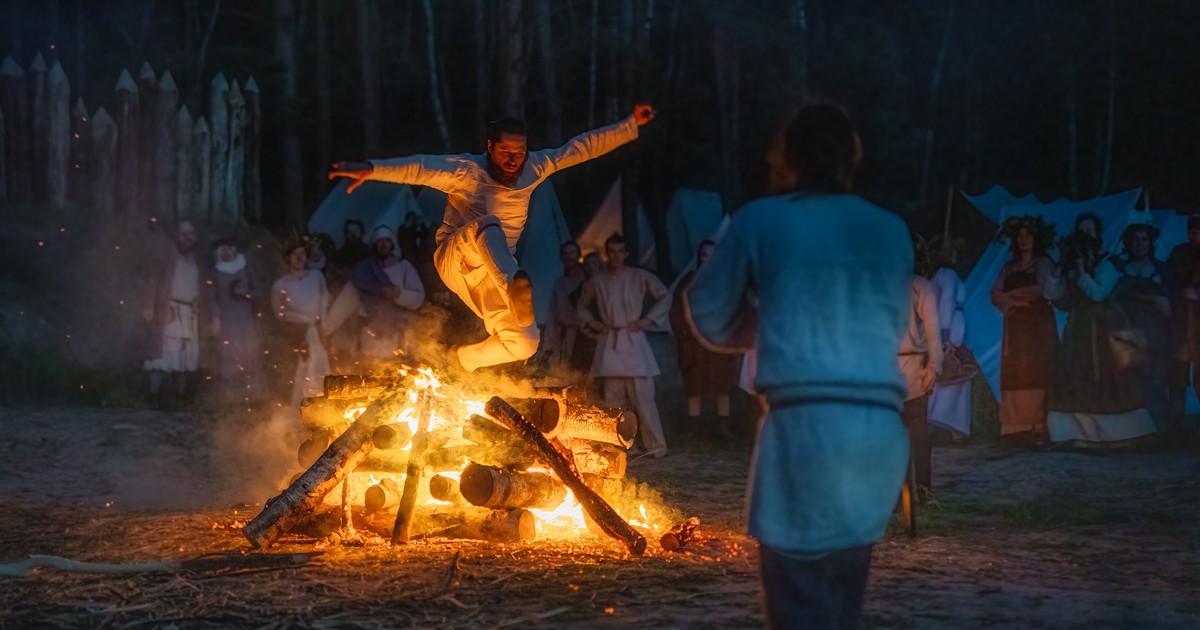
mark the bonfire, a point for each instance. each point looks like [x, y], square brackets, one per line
[406, 455]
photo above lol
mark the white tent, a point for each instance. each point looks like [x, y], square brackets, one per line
[608, 220]
[373, 203]
[992, 202]
[433, 205]
[693, 217]
[984, 322]
[537, 251]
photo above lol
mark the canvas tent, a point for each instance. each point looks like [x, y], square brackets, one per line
[432, 203]
[608, 220]
[984, 321]
[693, 217]
[373, 203]
[537, 251]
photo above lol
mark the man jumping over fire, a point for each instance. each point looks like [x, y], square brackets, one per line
[486, 209]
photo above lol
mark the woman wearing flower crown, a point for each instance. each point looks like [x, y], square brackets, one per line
[1114, 381]
[1030, 344]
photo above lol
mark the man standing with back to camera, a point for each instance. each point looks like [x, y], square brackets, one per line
[833, 277]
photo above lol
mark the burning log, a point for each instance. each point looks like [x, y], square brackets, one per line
[322, 412]
[593, 505]
[611, 426]
[494, 487]
[307, 492]
[392, 436]
[352, 386]
[543, 413]
[383, 495]
[681, 534]
[446, 489]
[498, 526]
[412, 479]
[597, 458]
[312, 448]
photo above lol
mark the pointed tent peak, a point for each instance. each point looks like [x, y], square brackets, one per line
[38, 64]
[10, 68]
[57, 74]
[166, 83]
[146, 73]
[79, 110]
[101, 118]
[219, 83]
[125, 82]
[251, 85]
[200, 125]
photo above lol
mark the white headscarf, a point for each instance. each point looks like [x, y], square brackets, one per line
[232, 266]
[382, 231]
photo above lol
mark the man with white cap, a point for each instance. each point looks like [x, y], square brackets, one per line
[487, 206]
[388, 290]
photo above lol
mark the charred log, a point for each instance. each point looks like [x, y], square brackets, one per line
[322, 412]
[597, 458]
[498, 488]
[351, 386]
[600, 511]
[385, 494]
[300, 498]
[681, 534]
[311, 449]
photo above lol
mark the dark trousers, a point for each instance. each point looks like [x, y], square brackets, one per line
[1179, 381]
[821, 594]
[916, 420]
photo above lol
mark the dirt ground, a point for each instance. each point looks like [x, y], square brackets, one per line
[1013, 540]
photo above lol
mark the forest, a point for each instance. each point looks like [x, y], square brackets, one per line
[1074, 98]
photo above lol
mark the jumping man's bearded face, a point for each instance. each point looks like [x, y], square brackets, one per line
[506, 157]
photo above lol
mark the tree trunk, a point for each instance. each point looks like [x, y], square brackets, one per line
[290, 161]
[549, 68]
[183, 191]
[128, 154]
[16, 130]
[39, 114]
[252, 185]
[1112, 97]
[201, 170]
[367, 50]
[58, 140]
[166, 121]
[593, 505]
[435, 84]
[512, 59]
[592, 67]
[104, 163]
[1073, 135]
[198, 73]
[799, 20]
[3, 173]
[484, 66]
[935, 82]
[79, 177]
[218, 134]
[303, 496]
[324, 108]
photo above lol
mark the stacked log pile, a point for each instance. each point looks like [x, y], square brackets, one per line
[390, 456]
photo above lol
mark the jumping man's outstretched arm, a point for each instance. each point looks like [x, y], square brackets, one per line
[443, 172]
[597, 142]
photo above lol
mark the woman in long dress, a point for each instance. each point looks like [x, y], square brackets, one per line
[950, 405]
[300, 301]
[1113, 375]
[1030, 343]
[239, 351]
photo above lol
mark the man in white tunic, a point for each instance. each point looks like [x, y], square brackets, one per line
[173, 314]
[486, 209]
[624, 361]
[920, 363]
[387, 289]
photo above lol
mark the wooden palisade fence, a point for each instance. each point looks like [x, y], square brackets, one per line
[147, 157]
